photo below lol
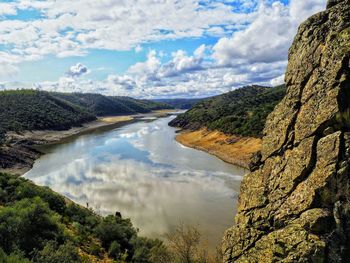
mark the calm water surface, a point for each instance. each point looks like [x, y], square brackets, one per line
[141, 171]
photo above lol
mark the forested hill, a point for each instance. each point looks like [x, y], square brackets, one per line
[240, 112]
[183, 104]
[34, 110]
[37, 110]
[101, 105]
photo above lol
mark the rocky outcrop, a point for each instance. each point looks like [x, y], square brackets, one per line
[295, 206]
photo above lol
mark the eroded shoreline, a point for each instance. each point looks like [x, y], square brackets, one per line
[231, 149]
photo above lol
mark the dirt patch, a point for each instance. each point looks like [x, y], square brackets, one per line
[116, 119]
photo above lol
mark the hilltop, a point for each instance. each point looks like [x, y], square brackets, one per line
[101, 105]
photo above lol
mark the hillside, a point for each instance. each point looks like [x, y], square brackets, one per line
[39, 110]
[38, 225]
[35, 110]
[182, 104]
[101, 105]
[239, 112]
[294, 206]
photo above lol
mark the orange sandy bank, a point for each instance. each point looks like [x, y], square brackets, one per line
[232, 149]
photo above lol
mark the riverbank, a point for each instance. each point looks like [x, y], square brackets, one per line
[18, 153]
[232, 149]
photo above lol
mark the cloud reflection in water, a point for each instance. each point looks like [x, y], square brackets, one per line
[142, 172]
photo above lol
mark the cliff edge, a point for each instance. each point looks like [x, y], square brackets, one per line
[295, 207]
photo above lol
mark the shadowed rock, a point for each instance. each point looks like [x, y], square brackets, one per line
[295, 206]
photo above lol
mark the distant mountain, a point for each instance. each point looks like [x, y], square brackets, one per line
[101, 105]
[241, 112]
[182, 104]
[38, 110]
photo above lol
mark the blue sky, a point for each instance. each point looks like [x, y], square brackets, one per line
[149, 48]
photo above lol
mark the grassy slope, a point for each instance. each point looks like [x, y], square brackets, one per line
[240, 112]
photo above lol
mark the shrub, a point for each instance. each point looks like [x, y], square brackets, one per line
[115, 229]
[15, 257]
[54, 253]
[27, 225]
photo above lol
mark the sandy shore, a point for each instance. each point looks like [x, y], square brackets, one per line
[19, 155]
[232, 149]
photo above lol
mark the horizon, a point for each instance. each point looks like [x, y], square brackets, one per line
[121, 48]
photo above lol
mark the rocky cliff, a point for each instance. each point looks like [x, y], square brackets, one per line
[295, 206]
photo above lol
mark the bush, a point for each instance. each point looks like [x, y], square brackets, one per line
[115, 229]
[55, 201]
[12, 258]
[159, 253]
[114, 250]
[81, 215]
[27, 225]
[16, 188]
[147, 250]
[54, 253]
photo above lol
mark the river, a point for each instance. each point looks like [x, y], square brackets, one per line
[140, 170]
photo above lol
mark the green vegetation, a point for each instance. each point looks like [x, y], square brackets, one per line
[182, 104]
[241, 112]
[102, 105]
[34, 110]
[37, 110]
[39, 225]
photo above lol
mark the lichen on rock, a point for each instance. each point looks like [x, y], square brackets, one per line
[295, 207]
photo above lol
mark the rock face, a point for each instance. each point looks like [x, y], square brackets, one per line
[295, 206]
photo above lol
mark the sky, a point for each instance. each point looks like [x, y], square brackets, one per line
[147, 48]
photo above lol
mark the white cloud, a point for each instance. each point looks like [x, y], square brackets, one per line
[7, 9]
[278, 81]
[269, 36]
[70, 28]
[181, 63]
[200, 51]
[150, 66]
[255, 51]
[300, 10]
[8, 64]
[138, 49]
[77, 71]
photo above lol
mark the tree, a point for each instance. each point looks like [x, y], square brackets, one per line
[183, 242]
[27, 225]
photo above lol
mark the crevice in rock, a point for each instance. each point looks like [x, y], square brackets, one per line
[324, 79]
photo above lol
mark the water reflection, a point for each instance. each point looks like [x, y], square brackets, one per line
[141, 171]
